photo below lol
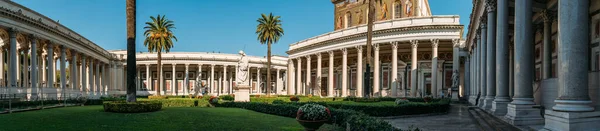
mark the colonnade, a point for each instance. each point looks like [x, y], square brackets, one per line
[491, 63]
[26, 52]
[300, 86]
[222, 76]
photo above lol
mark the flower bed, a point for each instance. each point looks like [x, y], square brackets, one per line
[344, 118]
[132, 107]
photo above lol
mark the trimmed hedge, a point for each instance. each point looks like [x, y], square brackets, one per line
[179, 102]
[132, 107]
[227, 97]
[411, 108]
[345, 118]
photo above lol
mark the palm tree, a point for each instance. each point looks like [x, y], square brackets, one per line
[269, 31]
[130, 10]
[159, 38]
[370, 20]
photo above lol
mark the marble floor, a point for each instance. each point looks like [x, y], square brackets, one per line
[458, 119]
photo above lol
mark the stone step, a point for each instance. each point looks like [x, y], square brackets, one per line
[480, 121]
[495, 123]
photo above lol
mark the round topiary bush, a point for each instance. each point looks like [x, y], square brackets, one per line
[132, 107]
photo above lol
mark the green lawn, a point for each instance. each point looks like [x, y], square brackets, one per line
[176, 118]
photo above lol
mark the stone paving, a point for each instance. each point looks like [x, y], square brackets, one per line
[458, 119]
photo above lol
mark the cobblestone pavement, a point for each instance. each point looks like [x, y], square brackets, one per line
[458, 119]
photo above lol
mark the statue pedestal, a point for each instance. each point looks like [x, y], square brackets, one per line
[242, 93]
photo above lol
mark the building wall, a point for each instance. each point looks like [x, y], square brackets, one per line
[358, 10]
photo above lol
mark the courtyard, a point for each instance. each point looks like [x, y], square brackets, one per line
[93, 118]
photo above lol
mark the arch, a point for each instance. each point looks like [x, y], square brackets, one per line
[348, 20]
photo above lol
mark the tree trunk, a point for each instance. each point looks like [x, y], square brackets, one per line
[159, 73]
[370, 20]
[269, 69]
[131, 69]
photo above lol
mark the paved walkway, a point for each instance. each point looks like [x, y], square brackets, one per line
[458, 119]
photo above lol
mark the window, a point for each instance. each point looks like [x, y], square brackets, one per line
[348, 19]
[596, 62]
[398, 10]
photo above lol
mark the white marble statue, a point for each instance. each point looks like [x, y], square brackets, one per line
[242, 72]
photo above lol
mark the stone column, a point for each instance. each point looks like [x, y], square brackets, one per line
[520, 110]
[318, 78]
[330, 77]
[278, 80]
[224, 76]
[83, 75]
[500, 102]
[186, 82]
[91, 77]
[63, 72]
[376, 91]
[547, 15]
[413, 68]
[199, 78]
[251, 79]
[394, 68]
[258, 74]
[344, 72]
[467, 91]
[174, 89]
[359, 72]
[25, 69]
[511, 74]
[34, 72]
[51, 64]
[97, 78]
[148, 79]
[482, 60]
[12, 67]
[290, 80]
[573, 110]
[308, 84]
[491, 54]
[434, 67]
[212, 78]
[299, 87]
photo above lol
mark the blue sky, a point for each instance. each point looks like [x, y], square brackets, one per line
[225, 26]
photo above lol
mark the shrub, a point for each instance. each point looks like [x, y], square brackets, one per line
[132, 107]
[112, 98]
[410, 108]
[157, 97]
[278, 102]
[179, 102]
[213, 100]
[313, 112]
[294, 98]
[227, 97]
[367, 100]
[345, 118]
[401, 101]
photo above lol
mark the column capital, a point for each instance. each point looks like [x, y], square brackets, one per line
[173, 64]
[414, 43]
[330, 53]
[318, 54]
[455, 42]
[483, 21]
[435, 43]
[290, 62]
[147, 65]
[187, 64]
[490, 5]
[359, 48]
[394, 45]
[376, 47]
[299, 58]
[307, 57]
[344, 51]
[212, 65]
[12, 32]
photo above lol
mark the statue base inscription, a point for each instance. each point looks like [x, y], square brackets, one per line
[242, 93]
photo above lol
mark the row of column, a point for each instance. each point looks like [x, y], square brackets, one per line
[490, 66]
[223, 80]
[302, 86]
[33, 80]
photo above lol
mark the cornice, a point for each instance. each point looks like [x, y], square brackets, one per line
[364, 34]
[19, 16]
